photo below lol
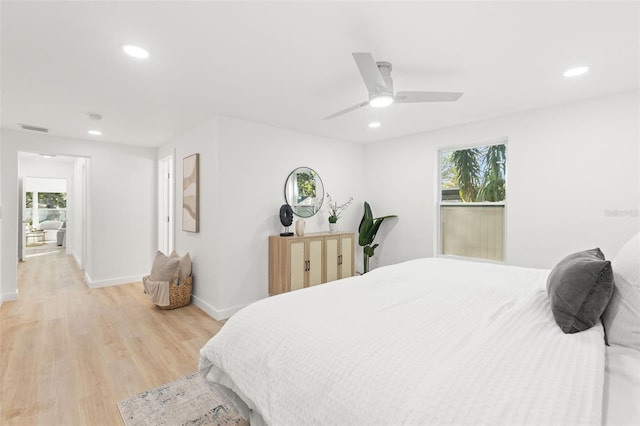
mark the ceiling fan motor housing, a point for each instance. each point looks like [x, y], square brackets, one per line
[385, 72]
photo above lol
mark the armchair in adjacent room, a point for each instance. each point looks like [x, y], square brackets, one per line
[61, 235]
[50, 228]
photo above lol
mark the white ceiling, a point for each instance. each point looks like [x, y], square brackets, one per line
[289, 64]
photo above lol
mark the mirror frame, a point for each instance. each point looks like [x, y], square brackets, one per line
[308, 210]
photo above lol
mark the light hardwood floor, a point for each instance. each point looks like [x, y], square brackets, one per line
[69, 353]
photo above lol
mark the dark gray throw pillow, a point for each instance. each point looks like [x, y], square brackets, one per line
[579, 288]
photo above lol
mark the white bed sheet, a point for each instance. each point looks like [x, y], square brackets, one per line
[622, 387]
[430, 341]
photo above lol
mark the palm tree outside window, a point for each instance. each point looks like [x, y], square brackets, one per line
[473, 185]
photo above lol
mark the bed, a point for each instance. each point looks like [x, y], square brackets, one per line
[428, 341]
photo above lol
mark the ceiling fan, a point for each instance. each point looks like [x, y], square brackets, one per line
[377, 78]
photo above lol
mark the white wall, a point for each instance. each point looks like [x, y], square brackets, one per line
[44, 169]
[76, 239]
[42, 184]
[202, 246]
[254, 162]
[572, 177]
[2, 297]
[122, 204]
[243, 168]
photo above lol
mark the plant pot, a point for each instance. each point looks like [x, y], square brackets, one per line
[333, 227]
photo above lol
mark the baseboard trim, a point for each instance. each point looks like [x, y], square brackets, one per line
[111, 282]
[77, 259]
[9, 297]
[213, 312]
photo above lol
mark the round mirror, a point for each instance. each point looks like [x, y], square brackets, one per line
[304, 192]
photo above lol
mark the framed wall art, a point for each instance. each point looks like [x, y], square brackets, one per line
[190, 195]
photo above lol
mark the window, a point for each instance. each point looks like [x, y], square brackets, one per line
[50, 206]
[473, 190]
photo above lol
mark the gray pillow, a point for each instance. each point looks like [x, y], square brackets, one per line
[185, 264]
[164, 268]
[579, 288]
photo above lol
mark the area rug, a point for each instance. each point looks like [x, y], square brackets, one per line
[187, 401]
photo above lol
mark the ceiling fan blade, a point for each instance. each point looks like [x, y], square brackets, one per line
[407, 97]
[344, 111]
[370, 73]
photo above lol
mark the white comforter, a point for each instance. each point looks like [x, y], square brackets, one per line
[429, 341]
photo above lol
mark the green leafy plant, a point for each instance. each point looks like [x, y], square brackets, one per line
[478, 173]
[493, 183]
[336, 210]
[367, 233]
[467, 169]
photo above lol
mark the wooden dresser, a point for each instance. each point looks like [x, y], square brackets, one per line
[298, 262]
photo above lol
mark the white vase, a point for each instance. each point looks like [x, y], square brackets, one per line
[333, 227]
[300, 227]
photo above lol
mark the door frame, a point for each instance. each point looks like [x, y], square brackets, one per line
[166, 204]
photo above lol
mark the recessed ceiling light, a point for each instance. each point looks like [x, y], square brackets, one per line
[95, 132]
[374, 124]
[574, 72]
[135, 51]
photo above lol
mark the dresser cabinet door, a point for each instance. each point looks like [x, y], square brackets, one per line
[339, 250]
[332, 250]
[346, 256]
[298, 264]
[315, 259]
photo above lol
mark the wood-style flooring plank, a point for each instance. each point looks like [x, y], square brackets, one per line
[69, 353]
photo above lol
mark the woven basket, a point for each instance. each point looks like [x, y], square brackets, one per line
[179, 295]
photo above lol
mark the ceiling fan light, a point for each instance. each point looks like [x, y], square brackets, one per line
[574, 72]
[135, 51]
[380, 101]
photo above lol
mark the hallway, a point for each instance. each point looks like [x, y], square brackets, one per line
[69, 353]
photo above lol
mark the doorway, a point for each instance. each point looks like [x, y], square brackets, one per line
[45, 215]
[53, 206]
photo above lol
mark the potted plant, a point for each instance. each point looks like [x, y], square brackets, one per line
[335, 211]
[368, 229]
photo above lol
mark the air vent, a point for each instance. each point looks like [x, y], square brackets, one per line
[33, 128]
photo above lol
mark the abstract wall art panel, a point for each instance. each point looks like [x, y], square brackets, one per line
[190, 202]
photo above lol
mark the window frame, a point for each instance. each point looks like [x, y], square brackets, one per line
[504, 140]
